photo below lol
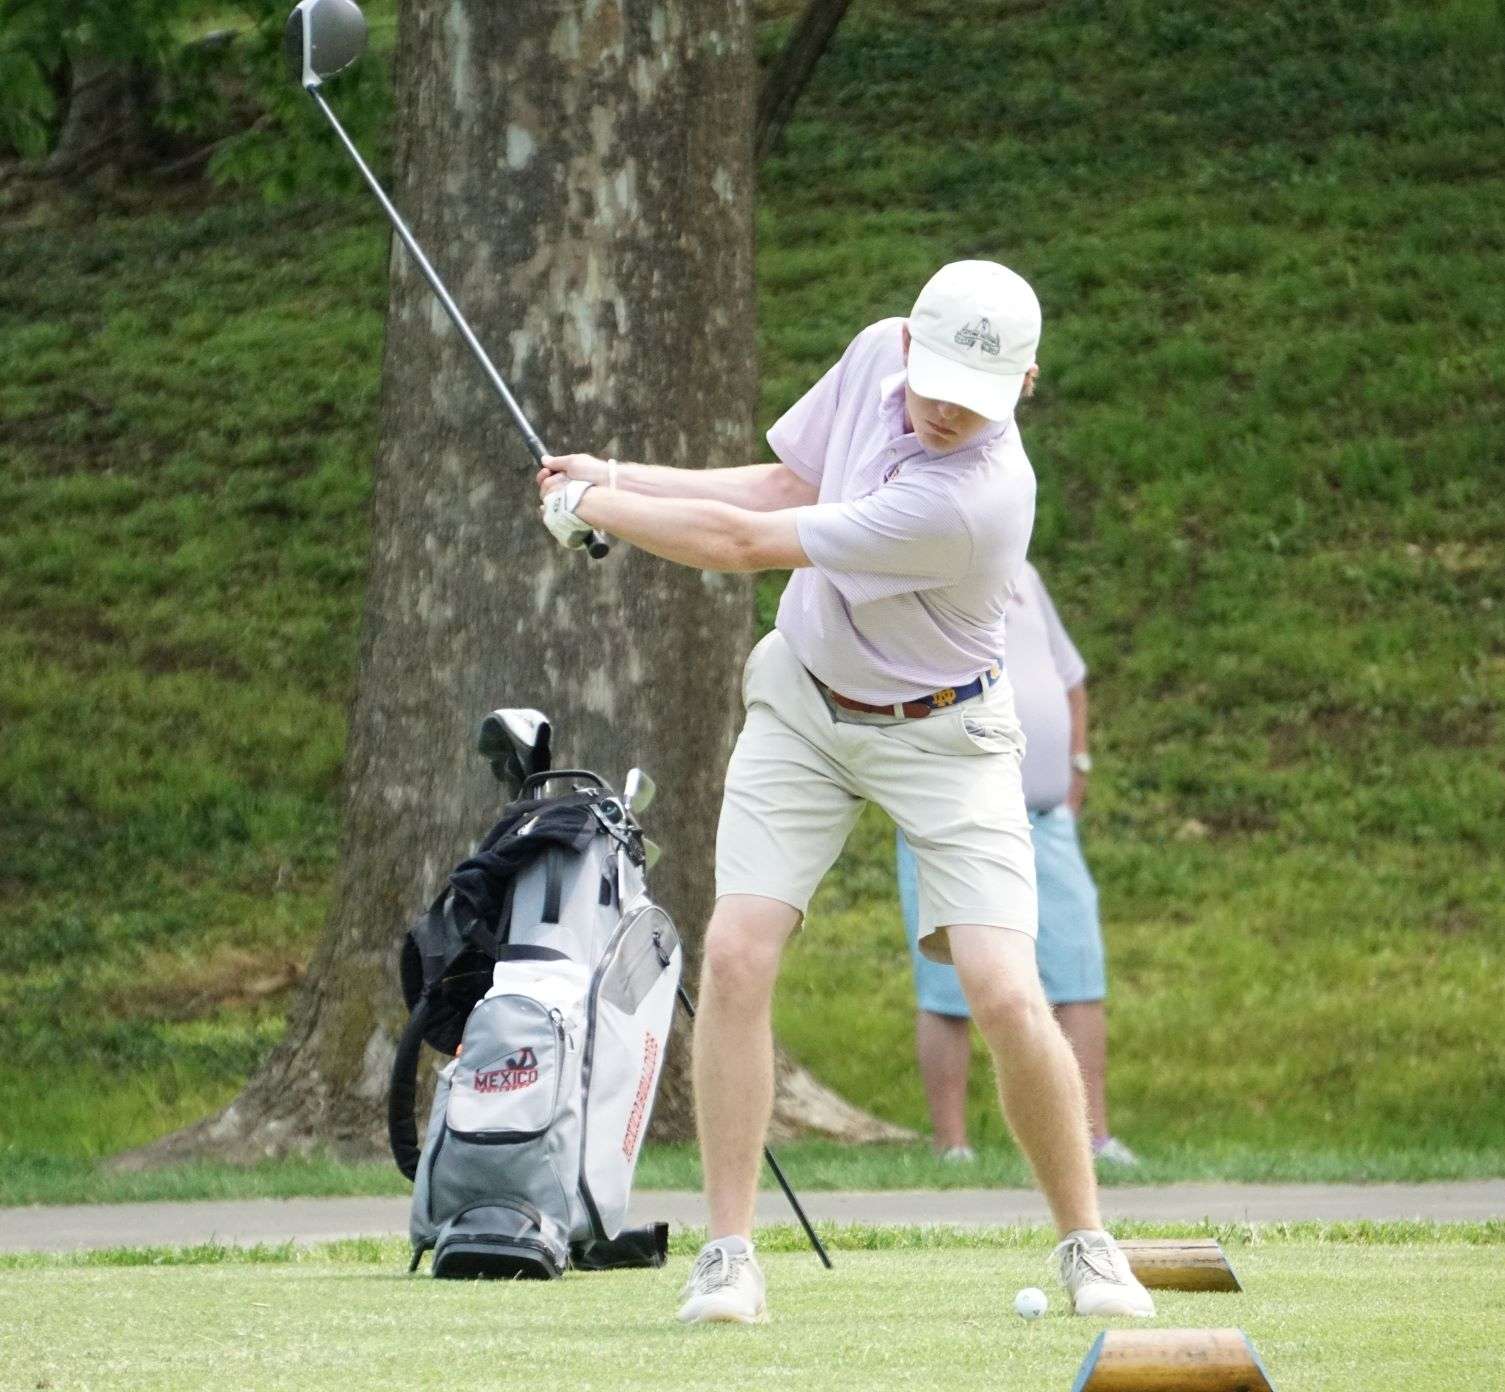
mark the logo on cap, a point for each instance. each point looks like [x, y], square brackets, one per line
[979, 332]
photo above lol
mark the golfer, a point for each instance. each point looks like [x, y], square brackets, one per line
[903, 502]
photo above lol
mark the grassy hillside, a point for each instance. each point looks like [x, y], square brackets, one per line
[1269, 443]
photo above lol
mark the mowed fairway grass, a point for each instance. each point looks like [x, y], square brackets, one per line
[903, 1308]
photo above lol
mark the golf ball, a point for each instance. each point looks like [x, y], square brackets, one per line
[1030, 1303]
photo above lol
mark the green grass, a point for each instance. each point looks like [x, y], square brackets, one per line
[1399, 1307]
[1268, 441]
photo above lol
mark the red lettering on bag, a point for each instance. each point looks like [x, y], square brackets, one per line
[645, 1091]
[506, 1079]
[517, 1072]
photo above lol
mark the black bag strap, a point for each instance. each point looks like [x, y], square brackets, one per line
[530, 952]
[402, 1094]
[553, 885]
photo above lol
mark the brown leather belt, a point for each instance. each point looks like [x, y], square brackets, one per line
[921, 706]
[913, 710]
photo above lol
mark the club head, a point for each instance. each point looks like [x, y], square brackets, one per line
[639, 791]
[518, 744]
[321, 38]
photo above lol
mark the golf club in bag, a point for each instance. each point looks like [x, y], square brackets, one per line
[322, 38]
[547, 972]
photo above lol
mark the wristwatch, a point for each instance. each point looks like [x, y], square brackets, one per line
[1082, 763]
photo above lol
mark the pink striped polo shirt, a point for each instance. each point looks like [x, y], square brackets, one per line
[913, 554]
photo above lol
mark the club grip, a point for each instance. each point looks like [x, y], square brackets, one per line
[596, 546]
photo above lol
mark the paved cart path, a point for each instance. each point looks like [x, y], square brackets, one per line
[67, 1228]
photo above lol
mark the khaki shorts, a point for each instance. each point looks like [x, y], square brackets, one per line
[803, 769]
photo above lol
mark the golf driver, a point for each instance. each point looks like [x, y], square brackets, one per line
[322, 38]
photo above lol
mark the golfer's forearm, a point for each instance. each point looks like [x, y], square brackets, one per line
[758, 487]
[699, 532]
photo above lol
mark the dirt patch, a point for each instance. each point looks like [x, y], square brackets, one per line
[232, 979]
[166, 659]
[1352, 733]
[1457, 920]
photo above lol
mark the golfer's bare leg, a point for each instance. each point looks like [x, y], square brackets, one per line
[733, 1051]
[1039, 1083]
[943, 1044]
[1085, 1025]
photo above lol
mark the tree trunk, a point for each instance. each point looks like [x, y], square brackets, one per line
[583, 182]
[790, 72]
[102, 123]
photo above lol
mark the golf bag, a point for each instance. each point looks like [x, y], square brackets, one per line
[551, 976]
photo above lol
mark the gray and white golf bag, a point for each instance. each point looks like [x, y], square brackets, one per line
[551, 975]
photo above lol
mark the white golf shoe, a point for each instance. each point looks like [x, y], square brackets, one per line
[725, 1285]
[1096, 1275]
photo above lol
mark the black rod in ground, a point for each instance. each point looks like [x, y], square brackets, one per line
[778, 1174]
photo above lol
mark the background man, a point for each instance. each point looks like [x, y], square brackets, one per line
[1048, 677]
[903, 504]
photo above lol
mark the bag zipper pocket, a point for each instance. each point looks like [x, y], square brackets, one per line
[499, 1136]
[640, 962]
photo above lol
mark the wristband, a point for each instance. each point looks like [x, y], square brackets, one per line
[573, 492]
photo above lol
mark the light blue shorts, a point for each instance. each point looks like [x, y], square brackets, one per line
[1069, 949]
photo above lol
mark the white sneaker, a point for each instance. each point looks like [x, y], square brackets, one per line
[1114, 1152]
[1098, 1279]
[956, 1155]
[725, 1285]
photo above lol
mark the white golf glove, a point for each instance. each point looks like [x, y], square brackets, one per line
[559, 514]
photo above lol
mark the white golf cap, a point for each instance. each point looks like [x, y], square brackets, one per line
[973, 335]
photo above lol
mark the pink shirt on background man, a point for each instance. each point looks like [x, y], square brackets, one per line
[913, 554]
[1043, 665]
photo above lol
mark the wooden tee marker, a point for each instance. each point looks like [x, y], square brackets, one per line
[1184, 1264]
[1172, 1360]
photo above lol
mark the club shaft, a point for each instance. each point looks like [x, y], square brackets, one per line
[530, 436]
[596, 545]
[778, 1173]
[799, 1211]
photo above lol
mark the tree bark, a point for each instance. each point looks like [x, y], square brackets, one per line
[582, 180]
[790, 72]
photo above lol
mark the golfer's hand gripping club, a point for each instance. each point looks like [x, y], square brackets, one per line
[560, 517]
[559, 514]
